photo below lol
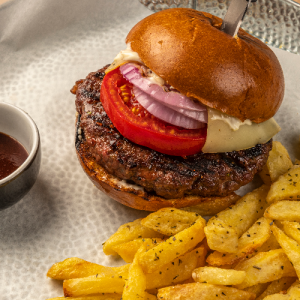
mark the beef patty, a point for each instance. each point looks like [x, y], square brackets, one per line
[203, 174]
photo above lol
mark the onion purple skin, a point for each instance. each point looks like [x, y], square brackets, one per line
[171, 107]
[164, 112]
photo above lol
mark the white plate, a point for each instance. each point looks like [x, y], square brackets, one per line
[45, 47]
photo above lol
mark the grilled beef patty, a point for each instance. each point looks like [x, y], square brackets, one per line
[204, 174]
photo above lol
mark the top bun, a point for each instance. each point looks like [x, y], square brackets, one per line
[238, 76]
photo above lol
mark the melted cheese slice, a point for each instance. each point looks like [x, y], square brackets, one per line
[221, 137]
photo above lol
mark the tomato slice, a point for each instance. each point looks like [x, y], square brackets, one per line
[139, 126]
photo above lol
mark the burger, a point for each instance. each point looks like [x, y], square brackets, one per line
[182, 117]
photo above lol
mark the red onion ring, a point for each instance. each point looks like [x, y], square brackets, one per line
[164, 112]
[173, 99]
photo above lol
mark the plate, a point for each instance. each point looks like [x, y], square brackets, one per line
[45, 47]
[275, 22]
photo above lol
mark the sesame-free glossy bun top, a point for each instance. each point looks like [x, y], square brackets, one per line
[239, 76]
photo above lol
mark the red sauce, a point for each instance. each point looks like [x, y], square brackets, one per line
[12, 155]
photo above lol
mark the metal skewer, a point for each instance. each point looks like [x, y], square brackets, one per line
[235, 15]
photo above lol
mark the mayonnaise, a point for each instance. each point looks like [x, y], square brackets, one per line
[233, 122]
[129, 55]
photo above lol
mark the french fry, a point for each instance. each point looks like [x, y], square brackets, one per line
[218, 276]
[129, 232]
[128, 250]
[203, 291]
[277, 286]
[251, 240]
[93, 285]
[220, 236]
[292, 229]
[257, 289]
[278, 163]
[286, 187]
[97, 297]
[247, 253]
[149, 297]
[265, 267]
[178, 270]
[169, 221]
[277, 297]
[202, 252]
[289, 246]
[223, 230]
[212, 207]
[294, 290]
[270, 244]
[135, 286]
[76, 268]
[173, 247]
[293, 293]
[284, 211]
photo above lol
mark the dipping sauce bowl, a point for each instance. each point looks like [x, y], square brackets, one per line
[19, 125]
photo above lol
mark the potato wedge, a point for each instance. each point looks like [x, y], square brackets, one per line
[278, 163]
[149, 296]
[220, 236]
[77, 268]
[294, 290]
[178, 270]
[218, 276]
[173, 247]
[97, 297]
[270, 244]
[265, 175]
[251, 240]
[169, 221]
[277, 286]
[277, 297]
[128, 250]
[289, 246]
[202, 252]
[292, 229]
[286, 187]
[202, 291]
[93, 285]
[265, 267]
[135, 286]
[293, 293]
[257, 289]
[223, 230]
[284, 211]
[128, 232]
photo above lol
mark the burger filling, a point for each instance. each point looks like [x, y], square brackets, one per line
[224, 133]
[205, 174]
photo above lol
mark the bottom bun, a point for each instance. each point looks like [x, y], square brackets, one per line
[136, 197]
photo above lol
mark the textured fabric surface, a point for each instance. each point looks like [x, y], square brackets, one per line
[45, 46]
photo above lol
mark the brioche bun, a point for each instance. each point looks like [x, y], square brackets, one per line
[135, 197]
[239, 76]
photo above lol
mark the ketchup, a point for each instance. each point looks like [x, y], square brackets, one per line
[12, 155]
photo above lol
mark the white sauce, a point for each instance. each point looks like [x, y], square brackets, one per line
[124, 184]
[155, 79]
[233, 122]
[128, 55]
